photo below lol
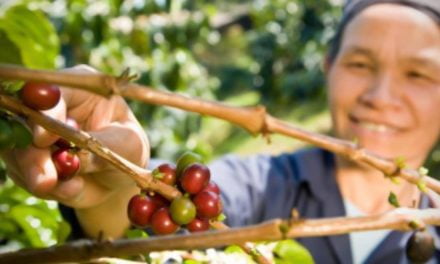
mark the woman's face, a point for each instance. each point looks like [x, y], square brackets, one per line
[384, 84]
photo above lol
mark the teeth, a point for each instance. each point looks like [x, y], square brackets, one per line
[376, 127]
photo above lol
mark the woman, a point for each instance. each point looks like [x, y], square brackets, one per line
[384, 91]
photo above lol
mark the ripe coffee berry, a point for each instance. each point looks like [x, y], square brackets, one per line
[212, 187]
[61, 142]
[140, 209]
[194, 178]
[208, 205]
[182, 210]
[159, 200]
[40, 96]
[166, 173]
[162, 223]
[198, 225]
[66, 163]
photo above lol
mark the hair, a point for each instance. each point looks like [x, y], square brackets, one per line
[354, 7]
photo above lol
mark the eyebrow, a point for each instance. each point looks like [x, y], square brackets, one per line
[421, 60]
[359, 50]
[425, 61]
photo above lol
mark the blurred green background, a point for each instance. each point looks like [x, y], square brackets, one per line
[239, 52]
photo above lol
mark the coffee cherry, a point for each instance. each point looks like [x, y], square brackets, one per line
[22, 134]
[208, 205]
[182, 210]
[420, 247]
[6, 135]
[159, 200]
[166, 173]
[162, 223]
[66, 163]
[212, 187]
[140, 209]
[194, 178]
[198, 225]
[186, 159]
[40, 96]
[61, 142]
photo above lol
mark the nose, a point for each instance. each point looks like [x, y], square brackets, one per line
[382, 93]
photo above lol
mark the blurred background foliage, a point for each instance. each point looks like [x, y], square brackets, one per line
[240, 52]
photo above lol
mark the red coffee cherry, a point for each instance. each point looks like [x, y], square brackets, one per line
[194, 178]
[66, 163]
[208, 205]
[162, 223]
[40, 96]
[198, 225]
[159, 200]
[140, 209]
[167, 173]
[212, 187]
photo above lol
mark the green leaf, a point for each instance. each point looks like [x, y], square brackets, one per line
[392, 199]
[291, 252]
[33, 35]
[40, 229]
[9, 52]
[63, 233]
[191, 261]
[221, 217]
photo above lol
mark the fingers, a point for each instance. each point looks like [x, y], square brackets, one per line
[37, 170]
[42, 137]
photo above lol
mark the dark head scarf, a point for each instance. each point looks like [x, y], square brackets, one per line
[354, 7]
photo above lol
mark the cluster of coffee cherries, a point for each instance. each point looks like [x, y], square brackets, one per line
[16, 134]
[199, 204]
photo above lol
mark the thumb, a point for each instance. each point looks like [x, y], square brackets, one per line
[42, 137]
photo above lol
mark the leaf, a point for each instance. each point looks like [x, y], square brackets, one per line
[392, 199]
[290, 252]
[63, 233]
[33, 35]
[39, 229]
[221, 217]
[9, 52]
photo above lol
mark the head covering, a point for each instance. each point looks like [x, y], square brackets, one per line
[354, 7]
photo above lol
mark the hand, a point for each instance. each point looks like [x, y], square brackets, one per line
[97, 185]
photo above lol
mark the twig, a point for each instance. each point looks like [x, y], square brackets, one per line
[277, 229]
[247, 247]
[253, 119]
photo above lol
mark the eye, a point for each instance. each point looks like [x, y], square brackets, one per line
[416, 75]
[359, 65]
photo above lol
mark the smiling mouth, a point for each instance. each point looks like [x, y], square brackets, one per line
[373, 126]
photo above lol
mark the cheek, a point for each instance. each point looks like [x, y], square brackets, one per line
[343, 93]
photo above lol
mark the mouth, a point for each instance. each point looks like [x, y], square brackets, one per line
[373, 126]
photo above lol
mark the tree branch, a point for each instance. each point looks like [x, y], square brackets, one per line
[253, 119]
[277, 229]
